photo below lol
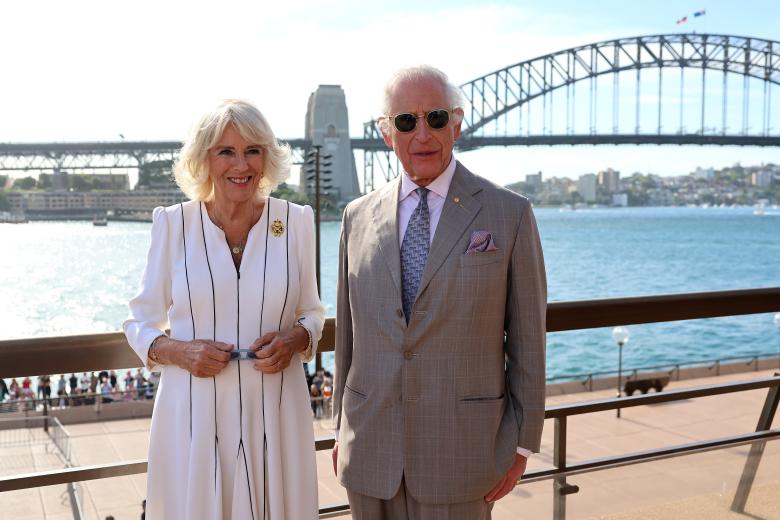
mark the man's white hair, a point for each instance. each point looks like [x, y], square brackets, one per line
[418, 73]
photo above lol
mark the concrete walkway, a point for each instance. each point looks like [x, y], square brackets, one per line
[693, 487]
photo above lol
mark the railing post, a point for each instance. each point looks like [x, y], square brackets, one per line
[46, 415]
[756, 450]
[560, 487]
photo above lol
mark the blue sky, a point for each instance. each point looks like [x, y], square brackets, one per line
[90, 70]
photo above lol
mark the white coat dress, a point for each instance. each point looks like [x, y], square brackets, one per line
[238, 445]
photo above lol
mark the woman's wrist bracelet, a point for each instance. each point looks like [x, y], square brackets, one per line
[153, 354]
[306, 352]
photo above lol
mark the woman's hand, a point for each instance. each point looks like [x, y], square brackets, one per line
[200, 357]
[275, 349]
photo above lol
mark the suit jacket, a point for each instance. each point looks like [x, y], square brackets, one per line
[445, 400]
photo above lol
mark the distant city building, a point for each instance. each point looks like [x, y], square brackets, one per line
[327, 124]
[73, 202]
[762, 178]
[534, 181]
[84, 181]
[704, 173]
[620, 199]
[609, 179]
[587, 187]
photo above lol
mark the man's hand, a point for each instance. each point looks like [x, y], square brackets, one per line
[507, 484]
[335, 455]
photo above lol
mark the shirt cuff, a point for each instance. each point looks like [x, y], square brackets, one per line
[524, 452]
[336, 434]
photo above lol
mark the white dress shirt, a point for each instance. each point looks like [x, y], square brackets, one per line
[408, 199]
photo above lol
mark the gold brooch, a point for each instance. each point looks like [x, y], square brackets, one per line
[277, 228]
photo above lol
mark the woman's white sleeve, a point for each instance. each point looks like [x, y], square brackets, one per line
[309, 313]
[149, 308]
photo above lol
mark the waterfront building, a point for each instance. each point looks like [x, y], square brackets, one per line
[534, 181]
[65, 204]
[762, 178]
[620, 199]
[704, 173]
[64, 181]
[609, 179]
[587, 187]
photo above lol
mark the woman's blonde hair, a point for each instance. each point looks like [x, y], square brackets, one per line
[192, 172]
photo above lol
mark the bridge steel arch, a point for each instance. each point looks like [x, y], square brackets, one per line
[497, 93]
[493, 95]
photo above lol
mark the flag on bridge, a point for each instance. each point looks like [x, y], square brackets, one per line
[699, 13]
[682, 20]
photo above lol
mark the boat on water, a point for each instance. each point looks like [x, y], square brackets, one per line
[99, 221]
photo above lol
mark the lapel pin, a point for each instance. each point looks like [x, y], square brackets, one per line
[456, 200]
[277, 228]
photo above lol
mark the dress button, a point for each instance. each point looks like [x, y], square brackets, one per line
[400, 313]
[408, 355]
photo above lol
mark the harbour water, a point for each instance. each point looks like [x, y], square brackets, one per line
[61, 278]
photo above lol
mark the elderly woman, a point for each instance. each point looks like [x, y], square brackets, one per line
[232, 274]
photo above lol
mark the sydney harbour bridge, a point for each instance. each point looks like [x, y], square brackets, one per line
[673, 89]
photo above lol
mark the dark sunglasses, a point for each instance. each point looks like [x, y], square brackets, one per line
[435, 119]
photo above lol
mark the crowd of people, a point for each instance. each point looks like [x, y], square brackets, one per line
[321, 392]
[63, 391]
[73, 390]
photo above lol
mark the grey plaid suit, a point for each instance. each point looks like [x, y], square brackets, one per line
[446, 400]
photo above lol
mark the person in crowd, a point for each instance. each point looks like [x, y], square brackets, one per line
[232, 274]
[316, 401]
[73, 383]
[13, 390]
[62, 393]
[113, 380]
[106, 391]
[3, 390]
[93, 383]
[140, 383]
[85, 382]
[130, 393]
[27, 392]
[128, 379]
[327, 395]
[46, 387]
[440, 325]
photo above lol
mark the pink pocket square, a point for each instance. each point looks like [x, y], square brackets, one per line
[481, 242]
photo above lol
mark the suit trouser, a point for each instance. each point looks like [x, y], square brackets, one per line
[404, 507]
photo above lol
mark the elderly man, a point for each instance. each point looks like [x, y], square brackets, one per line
[440, 342]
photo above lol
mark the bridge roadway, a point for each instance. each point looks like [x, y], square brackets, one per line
[137, 149]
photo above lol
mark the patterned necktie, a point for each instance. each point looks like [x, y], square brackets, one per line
[414, 251]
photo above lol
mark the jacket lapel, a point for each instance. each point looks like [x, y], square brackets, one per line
[386, 223]
[455, 219]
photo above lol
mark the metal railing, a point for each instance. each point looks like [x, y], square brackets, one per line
[673, 370]
[44, 430]
[110, 351]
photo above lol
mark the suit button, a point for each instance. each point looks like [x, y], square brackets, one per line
[400, 313]
[408, 355]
